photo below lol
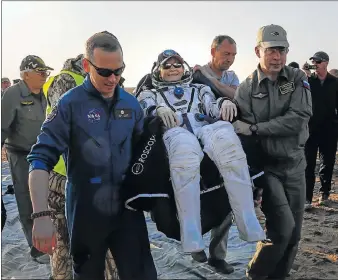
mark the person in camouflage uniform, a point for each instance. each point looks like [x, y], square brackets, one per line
[61, 262]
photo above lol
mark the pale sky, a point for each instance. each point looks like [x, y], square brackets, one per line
[56, 31]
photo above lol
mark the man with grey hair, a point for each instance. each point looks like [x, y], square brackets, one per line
[223, 52]
[275, 107]
[93, 126]
[334, 72]
[23, 111]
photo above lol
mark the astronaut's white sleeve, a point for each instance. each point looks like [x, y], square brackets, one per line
[211, 105]
[148, 102]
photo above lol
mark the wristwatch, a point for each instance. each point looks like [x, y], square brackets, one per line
[253, 128]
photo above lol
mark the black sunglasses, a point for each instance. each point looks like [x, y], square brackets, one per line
[108, 72]
[168, 65]
[317, 61]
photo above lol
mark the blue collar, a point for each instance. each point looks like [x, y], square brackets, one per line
[89, 87]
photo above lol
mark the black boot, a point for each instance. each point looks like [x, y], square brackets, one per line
[199, 256]
[35, 253]
[221, 266]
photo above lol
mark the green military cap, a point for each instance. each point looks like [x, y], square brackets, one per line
[270, 36]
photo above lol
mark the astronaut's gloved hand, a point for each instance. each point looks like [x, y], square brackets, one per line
[168, 117]
[228, 110]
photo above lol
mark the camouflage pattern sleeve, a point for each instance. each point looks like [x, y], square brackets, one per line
[61, 85]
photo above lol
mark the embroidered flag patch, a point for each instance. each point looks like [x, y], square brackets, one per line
[306, 85]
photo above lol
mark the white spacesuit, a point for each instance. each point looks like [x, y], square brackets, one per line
[185, 154]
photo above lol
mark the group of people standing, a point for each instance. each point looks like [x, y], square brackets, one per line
[67, 169]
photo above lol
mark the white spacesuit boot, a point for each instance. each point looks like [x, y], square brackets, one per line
[224, 147]
[185, 156]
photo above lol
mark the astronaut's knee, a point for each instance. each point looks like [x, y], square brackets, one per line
[183, 148]
[222, 143]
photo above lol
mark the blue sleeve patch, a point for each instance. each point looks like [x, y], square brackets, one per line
[306, 85]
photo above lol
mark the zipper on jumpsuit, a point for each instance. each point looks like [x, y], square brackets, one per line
[111, 116]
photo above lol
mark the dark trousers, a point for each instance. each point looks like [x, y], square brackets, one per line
[3, 214]
[283, 206]
[129, 245]
[19, 171]
[326, 143]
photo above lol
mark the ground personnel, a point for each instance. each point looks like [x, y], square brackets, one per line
[275, 104]
[93, 126]
[72, 75]
[22, 114]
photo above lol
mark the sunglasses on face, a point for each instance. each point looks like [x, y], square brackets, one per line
[167, 66]
[280, 50]
[43, 74]
[104, 72]
[317, 61]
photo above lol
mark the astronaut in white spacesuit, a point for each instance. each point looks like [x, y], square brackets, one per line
[178, 103]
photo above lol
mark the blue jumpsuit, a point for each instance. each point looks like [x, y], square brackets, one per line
[95, 137]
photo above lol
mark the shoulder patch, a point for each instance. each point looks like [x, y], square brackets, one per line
[287, 88]
[143, 104]
[306, 85]
[51, 116]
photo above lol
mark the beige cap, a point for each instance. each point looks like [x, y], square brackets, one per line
[272, 36]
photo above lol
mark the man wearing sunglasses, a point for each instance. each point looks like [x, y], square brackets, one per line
[275, 108]
[322, 128]
[23, 112]
[93, 126]
[71, 75]
[176, 101]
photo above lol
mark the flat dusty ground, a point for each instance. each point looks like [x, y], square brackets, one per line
[318, 253]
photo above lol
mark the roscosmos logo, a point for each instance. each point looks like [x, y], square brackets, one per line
[138, 167]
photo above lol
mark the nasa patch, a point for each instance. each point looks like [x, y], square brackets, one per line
[51, 116]
[94, 116]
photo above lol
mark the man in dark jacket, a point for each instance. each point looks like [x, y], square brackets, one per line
[322, 127]
[83, 128]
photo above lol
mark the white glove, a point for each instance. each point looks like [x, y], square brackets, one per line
[228, 110]
[168, 117]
